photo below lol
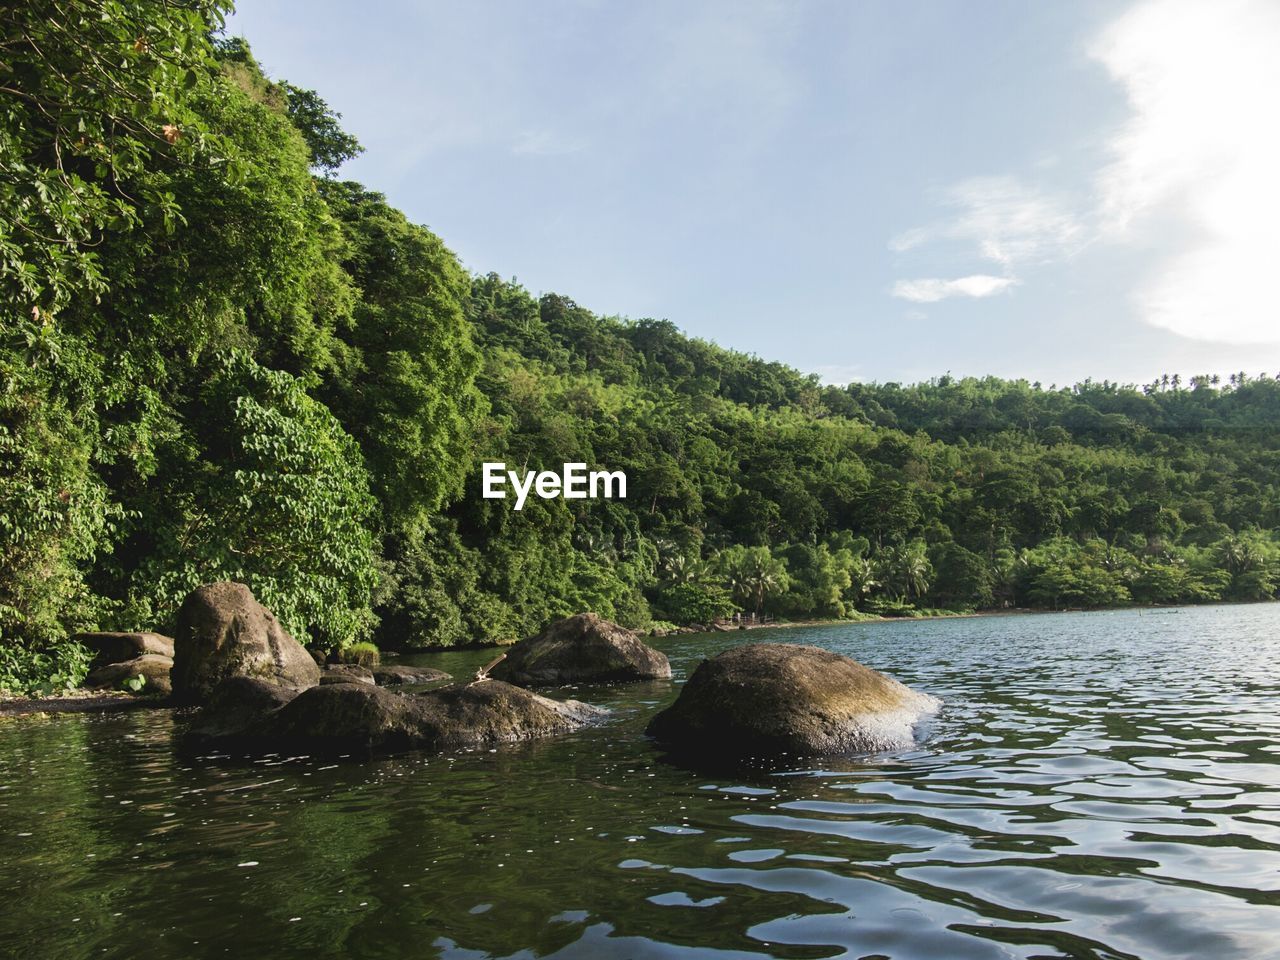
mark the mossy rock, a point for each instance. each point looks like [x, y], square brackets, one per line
[777, 699]
[584, 648]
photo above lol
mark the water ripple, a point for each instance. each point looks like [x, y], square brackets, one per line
[1097, 786]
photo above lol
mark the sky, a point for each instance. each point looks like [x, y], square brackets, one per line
[870, 191]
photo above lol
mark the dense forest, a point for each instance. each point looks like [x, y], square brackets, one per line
[219, 360]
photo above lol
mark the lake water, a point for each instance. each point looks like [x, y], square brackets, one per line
[1096, 785]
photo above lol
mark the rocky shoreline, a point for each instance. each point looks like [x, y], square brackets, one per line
[246, 686]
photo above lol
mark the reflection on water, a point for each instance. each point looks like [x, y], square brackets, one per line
[1097, 785]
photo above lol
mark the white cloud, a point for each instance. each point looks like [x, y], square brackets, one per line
[1202, 146]
[1006, 221]
[931, 290]
[1194, 171]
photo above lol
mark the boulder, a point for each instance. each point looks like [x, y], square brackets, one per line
[118, 647]
[394, 675]
[153, 666]
[358, 717]
[771, 699]
[581, 649]
[343, 717]
[224, 632]
[238, 709]
[476, 715]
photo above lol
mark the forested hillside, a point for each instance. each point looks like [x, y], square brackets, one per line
[754, 487]
[220, 361]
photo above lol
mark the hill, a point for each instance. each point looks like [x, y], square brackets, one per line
[218, 361]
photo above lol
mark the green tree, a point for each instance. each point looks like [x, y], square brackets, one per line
[94, 97]
[270, 491]
[961, 577]
[403, 384]
[55, 512]
[699, 603]
[754, 575]
[905, 570]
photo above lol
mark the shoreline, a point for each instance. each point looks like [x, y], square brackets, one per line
[974, 614]
[83, 701]
[836, 621]
[103, 701]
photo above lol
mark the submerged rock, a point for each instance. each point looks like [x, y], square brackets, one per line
[224, 632]
[346, 717]
[110, 647]
[771, 699]
[153, 666]
[390, 676]
[581, 649]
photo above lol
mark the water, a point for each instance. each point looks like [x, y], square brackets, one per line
[1097, 785]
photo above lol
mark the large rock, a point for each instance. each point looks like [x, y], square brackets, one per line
[772, 699]
[474, 715]
[237, 711]
[118, 647]
[155, 667]
[356, 717]
[343, 717]
[224, 632]
[581, 649]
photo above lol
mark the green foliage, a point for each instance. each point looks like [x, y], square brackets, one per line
[699, 603]
[821, 581]
[890, 607]
[403, 384]
[54, 510]
[432, 596]
[160, 217]
[362, 652]
[330, 145]
[1062, 573]
[215, 364]
[964, 578]
[93, 96]
[41, 670]
[905, 570]
[270, 491]
[753, 574]
[848, 499]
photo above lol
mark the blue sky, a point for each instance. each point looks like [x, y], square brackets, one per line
[866, 190]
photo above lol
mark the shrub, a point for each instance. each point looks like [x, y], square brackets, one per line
[689, 603]
[41, 670]
[270, 492]
[363, 652]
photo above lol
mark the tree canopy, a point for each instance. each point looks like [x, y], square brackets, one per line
[219, 359]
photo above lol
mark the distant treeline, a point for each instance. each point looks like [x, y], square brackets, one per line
[219, 361]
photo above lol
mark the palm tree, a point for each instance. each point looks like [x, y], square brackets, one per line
[908, 569]
[862, 579]
[1239, 555]
[754, 573]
